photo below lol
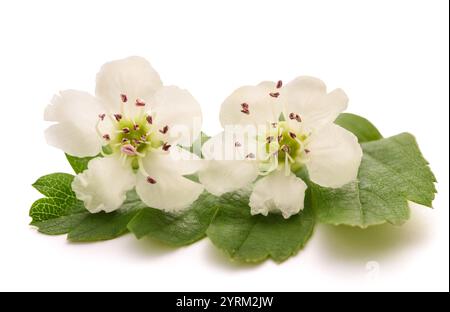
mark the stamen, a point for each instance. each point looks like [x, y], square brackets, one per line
[274, 124]
[164, 130]
[307, 151]
[166, 147]
[128, 150]
[118, 117]
[280, 137]
[124, 98]
[149, 119]
[124, 140]
[292, 135]
[150, 180]
[293, 116]
[269, 139]
[106, 137]
[274, 94]
[136, 127]
[126, 130]
[279, 84]
[237, 144]
[143, 137]
[245, 108]
[250, 156]
[140, 102]
[102, 116]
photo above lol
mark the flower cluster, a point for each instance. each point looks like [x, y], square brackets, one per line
[139, 129]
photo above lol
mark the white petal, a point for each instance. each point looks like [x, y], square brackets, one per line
[177, 109]
[262, 108]
[103, 186]
[307, 97]
[235, 143]
[170, 191]
[278, 193]
[177, 160]
[132, 76]
[76, 114]
[335, 156]
[224, 176]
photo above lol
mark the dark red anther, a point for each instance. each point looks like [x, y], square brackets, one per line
[274, 94]
[118, 117]
[126, 130]
[140, 103]
[136, 127]
[166, 147]
[269, 139]
[149, 119]
[250, 155]
[164, 130]
[307, 151]
[102, 116]
[237, 144]
[150, 180]
[124, 98]
[293, 116]
[279, 84]
[106, 137]
[245, 108]
[293, 135]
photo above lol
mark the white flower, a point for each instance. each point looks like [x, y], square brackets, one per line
[138, 123]
[271, 132]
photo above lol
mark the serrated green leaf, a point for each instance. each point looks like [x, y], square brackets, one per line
[255, 238]
[56, 185]
[60, 211]
[79, 164]
[176, 229]
[392, 172]
[364, 130]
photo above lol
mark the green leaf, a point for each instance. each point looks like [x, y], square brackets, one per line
[392, 172]
[79, 164]
[176, 229]
[60, 211]
[255, 238]
[364, 130]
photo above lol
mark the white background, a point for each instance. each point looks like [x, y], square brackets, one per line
[391, 57]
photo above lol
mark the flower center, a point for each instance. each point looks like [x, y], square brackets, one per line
[132, 137]
[283, 146]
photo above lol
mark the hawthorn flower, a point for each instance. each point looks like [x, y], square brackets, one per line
[138, 125]
[271, 132]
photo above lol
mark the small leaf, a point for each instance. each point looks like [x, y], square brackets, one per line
[176, 229]
[60, 211]
[255, 238]
[364, 130]
[392, 172]
[79, 164]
